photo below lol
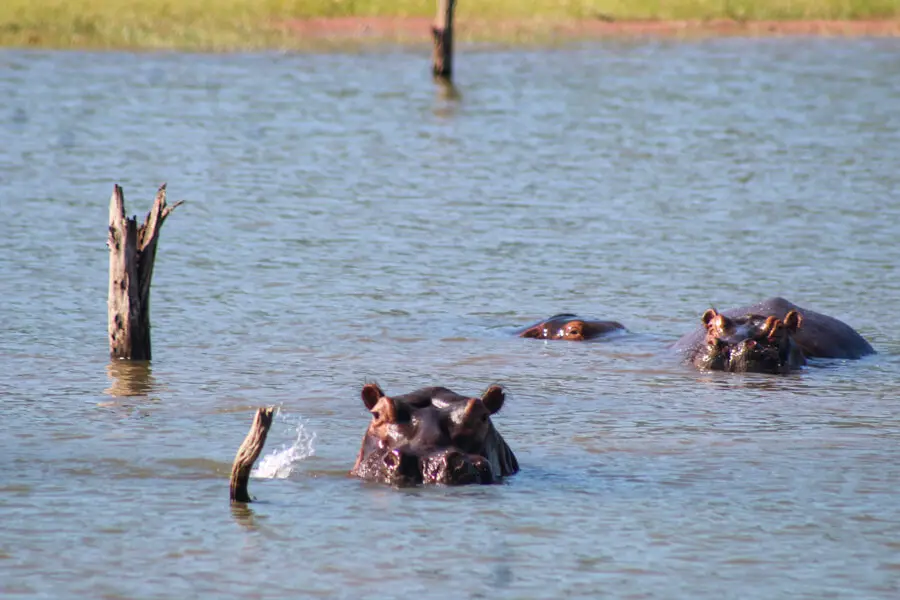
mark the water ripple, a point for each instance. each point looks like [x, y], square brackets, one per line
[346, 223]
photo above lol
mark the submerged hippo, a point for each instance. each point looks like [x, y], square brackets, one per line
[433, 435]
[569, 327]
[774, 336]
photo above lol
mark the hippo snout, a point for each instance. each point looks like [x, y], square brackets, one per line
[406, 467]
[752, 356]
[452, 467]
[401, 467]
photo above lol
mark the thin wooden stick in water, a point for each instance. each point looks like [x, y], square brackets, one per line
[248, 453]
[442, 34]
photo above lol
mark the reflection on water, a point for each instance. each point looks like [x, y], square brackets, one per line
[448, 99]
[355, 223]
[244, 516]
[447, 90]
[130, 378]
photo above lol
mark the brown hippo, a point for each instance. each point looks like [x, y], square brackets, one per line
[774, 336]
[433, 435]
[569, 327]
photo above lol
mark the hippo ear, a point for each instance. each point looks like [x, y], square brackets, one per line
[493, 398]
[717, 323]
[793, 320]
[385, 411]
[708, 316]
[770, 327]
[371, 393]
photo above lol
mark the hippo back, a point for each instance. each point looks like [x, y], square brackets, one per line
[820, 336]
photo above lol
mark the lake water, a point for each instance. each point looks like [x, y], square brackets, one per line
[346, 221]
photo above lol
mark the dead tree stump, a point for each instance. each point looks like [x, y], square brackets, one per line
[442, 32]
[248, 453]
[132, 251]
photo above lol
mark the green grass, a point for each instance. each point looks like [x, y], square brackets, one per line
[254, 24]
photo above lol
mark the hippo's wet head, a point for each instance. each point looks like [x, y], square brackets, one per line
[569, 327]
[750, 344]
[433, 435]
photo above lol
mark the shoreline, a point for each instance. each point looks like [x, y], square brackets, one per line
[418, 29]
[329, 34]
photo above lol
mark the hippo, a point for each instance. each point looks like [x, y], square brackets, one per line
[773, 336]
[567, 326]
[433, 435]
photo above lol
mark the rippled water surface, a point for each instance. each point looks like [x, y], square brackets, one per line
[346, 221]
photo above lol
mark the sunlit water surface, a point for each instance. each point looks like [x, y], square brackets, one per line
[347, 222]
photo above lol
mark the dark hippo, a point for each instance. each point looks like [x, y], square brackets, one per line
[749, 343]
[774, 336]
[433, 435]
[569, 327]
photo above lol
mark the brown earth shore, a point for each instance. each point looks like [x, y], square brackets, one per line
[418, 29]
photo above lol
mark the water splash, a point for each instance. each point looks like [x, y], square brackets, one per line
[280, 463]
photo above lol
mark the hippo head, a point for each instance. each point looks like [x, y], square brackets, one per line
[569, 327]
[433, 435]
[750, 344]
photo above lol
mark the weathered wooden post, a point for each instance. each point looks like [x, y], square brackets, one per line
[131, 254]
[248, 453]
[442, 32]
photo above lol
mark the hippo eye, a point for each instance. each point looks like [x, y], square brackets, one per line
[403, 417]
[484, 418]
[376, 415]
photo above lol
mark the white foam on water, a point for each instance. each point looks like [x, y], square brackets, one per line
[280, 463]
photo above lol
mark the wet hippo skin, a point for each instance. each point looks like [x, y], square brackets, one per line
[567, 326]
[433, 435]
[772, 336]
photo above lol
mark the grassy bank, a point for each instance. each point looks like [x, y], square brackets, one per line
[257, 24]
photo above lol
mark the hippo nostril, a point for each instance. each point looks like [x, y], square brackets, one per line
[392, 459]
[454, 457]
[483, 470]
[461, 469]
